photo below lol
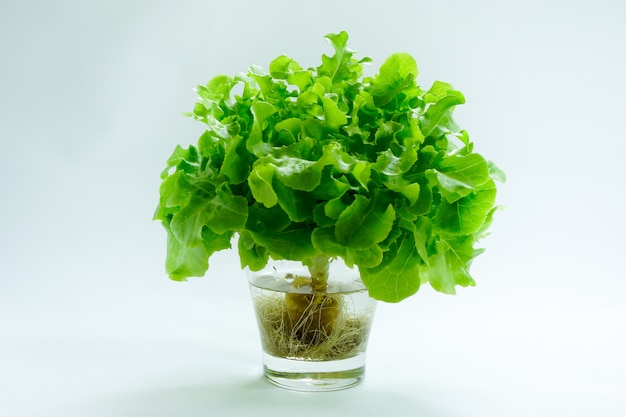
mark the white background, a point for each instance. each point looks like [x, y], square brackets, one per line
[91, 96]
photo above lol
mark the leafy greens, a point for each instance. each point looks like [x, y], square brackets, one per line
[299, 163]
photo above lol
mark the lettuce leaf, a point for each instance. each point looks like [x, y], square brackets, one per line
[300, 162]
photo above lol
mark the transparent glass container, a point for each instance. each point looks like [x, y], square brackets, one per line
[312, 340]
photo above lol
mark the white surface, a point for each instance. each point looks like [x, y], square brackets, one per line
[90, 98]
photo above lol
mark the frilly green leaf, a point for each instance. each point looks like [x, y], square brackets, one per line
[322, 162]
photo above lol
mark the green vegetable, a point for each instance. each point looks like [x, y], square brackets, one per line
[322, 163]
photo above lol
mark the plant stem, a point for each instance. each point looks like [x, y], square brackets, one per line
[319, 273]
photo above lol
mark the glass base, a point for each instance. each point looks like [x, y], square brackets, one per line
[314, 376]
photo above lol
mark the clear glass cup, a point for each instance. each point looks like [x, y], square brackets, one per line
[312, 340]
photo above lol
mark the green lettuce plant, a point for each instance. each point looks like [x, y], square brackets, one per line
[322, 163]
